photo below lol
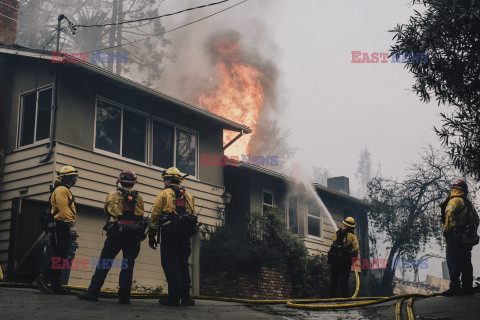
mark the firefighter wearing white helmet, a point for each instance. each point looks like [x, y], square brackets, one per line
[174, 214]
[61, 226]
[344, 248]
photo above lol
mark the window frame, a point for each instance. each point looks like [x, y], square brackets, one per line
[288, 214]
[148, 137]
[175, 127]
[20, 118]
[119, 155]
[263, 198]
[319, 218]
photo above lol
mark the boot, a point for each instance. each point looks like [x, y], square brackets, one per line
[172, 302]
[57, 288]
[467, 292]
[41, 284]
[87, 296]
[453, 291]
[125, 300]
[187, 301]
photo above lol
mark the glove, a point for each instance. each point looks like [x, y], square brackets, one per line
[152, 241]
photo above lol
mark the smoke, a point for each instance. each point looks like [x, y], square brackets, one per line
[195, 51]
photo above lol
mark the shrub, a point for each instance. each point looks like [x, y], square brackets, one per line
[266, 242]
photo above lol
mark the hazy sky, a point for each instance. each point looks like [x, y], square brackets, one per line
[334, 108]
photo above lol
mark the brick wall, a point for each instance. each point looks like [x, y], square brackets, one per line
[8, 21]
[268, 284]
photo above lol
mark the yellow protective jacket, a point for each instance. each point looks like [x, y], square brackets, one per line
[457, 214]
[165, 203]
[350, 240]
[114, 204]
[63, 204]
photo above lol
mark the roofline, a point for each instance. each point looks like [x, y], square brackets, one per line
[288, 178]
[229, 124]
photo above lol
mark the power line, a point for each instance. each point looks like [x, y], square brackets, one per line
[152, 18]
[182, 26]
[9, 6]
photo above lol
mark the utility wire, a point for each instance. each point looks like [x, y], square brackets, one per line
[8, 6]
[182, 26]
[152, 18]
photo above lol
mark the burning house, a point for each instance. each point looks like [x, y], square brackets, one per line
[102, 123]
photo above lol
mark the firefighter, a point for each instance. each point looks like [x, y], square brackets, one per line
[174, 213]
[125, 229]
[61, 227]
[460, 231]
[344, 248]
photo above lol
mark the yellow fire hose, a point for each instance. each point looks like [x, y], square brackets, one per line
[306, 304]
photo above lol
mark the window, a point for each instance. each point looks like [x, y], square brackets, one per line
[35, 117]
[173, 146]
[186, 152]
[292, 215]
[124, 132]
[162, 145]
[121, 131]
[268, 200]
[314, 219]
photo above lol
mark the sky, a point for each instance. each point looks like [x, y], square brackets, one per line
[333, 108]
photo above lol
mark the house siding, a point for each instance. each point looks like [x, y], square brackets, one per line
[78, 91]
[22, 169]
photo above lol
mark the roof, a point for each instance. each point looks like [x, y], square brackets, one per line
[227, 124]
[333, 192]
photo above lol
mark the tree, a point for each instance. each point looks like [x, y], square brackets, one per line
[364, 172]
[449, 31]
[37, 23]
[407, 212]
[320, 175]
[270, 140]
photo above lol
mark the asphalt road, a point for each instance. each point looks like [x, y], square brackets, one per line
[16, 303]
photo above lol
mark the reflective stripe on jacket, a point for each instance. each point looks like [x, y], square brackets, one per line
[115, 201]
[165, 203]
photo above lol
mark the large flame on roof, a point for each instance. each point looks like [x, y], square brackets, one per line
[239, 95]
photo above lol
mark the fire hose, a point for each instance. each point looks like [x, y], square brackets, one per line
[305, 304]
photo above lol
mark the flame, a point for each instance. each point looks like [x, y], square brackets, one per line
[239, 95]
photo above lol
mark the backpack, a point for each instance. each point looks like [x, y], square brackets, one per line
[338, 250]
[182, 222]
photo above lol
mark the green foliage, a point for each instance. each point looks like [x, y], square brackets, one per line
[148, 289]
[266, 242]
[449, 31]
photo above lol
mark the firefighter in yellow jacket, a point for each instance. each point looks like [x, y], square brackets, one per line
[61, 226]
[174, 213]
[460, 231]
[344, 248]
[125, 228]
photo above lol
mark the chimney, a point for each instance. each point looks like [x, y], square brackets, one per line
[8, 21]
[341, 184]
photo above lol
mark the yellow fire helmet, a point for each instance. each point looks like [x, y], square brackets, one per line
[349, 222]
[173, 173]
[68, 171]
